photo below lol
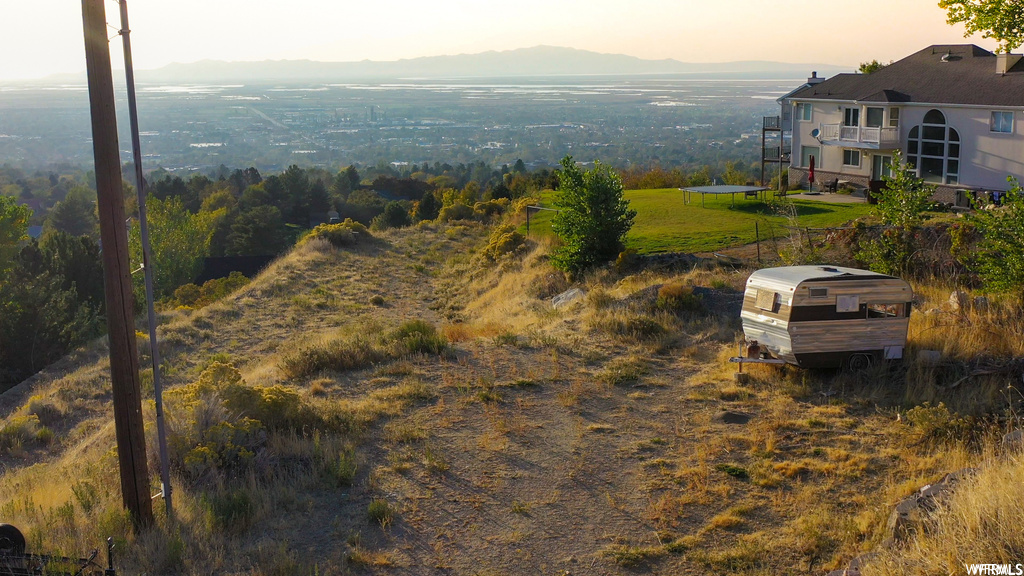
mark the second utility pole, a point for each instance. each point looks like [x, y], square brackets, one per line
[117, 281]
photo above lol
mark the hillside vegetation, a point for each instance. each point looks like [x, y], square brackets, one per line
[666, 224]
[413, 403]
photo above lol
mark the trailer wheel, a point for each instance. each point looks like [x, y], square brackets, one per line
[12, 541]
[858, 362]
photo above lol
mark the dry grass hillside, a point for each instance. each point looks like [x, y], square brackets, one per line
[406, 406]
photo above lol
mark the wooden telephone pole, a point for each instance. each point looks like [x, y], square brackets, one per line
[124, 360]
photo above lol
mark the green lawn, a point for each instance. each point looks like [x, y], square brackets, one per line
[664, 224]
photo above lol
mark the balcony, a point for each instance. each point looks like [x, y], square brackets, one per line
[859, 137]
[771, 154]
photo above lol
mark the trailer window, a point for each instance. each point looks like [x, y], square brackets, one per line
[847, 303]
[818, 292]
[885, 310]
[767, 300]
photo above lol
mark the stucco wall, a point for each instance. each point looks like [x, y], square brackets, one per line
[986, 157]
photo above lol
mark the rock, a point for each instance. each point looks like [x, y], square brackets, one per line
[568, 297]
[980, 304]
[859, 562]
[905, 518]
[952, 478]
[734, 417]
[912, 511]
[929, 357]
[931, 491]
[959, 301]
[741, 377]
[1013, 440]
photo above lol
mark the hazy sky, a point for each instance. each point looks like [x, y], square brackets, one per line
[42, 37]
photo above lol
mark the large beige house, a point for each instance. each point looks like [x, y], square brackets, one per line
[956, 112]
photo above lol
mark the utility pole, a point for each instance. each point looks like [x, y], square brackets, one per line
[124, 360]
[147, 256]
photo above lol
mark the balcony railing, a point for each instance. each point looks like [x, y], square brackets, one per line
[771, 153]
[883, 137]
[772, 122]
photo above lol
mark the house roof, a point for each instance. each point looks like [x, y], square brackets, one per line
[940, 74]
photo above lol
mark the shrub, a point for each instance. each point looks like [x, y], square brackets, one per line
[380, 511]
[222, 422]
[490, 208]
[419, 337]
[211, 291]
[360, 351]
[338, 355]
[457, 211]
[504, 240]
[187, 295]
[342, 234]
[1000, 255]
[734, 470]
[21, 431]
[677, 298]
[232, 510]
[937, 423]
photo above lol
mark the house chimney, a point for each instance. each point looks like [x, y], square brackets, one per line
[1005, 61]
[814, 79]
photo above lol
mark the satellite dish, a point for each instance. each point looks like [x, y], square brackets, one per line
[815, 133]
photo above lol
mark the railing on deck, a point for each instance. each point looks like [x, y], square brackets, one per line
[884, 137]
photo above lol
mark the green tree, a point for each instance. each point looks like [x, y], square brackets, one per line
[394, 216]
[259, 231]
[428, 207]
[999, 257]
[905, 198]
[901, 206]
[734, 175]
[870, 67]
[593, 217]
[1002, 20]
[42, 312]
[75, 214]
[179, 239]
[14, 219]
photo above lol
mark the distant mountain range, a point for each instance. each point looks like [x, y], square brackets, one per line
[523, 62]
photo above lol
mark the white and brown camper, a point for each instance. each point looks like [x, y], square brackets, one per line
[826, 316]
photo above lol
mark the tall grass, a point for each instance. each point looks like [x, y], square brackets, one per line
[979, 524]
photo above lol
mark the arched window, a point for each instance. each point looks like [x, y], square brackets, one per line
[933, 149]
[934, 117]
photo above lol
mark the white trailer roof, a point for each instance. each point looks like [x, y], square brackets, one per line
[794, 275]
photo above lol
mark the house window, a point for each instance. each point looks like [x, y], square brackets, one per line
[851, 158]
[894, 117]
[851, 117]
[933, 149]
[804, 112]
[875, 117]
[1002, 122]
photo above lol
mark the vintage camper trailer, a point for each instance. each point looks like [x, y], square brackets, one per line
[826, 316]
